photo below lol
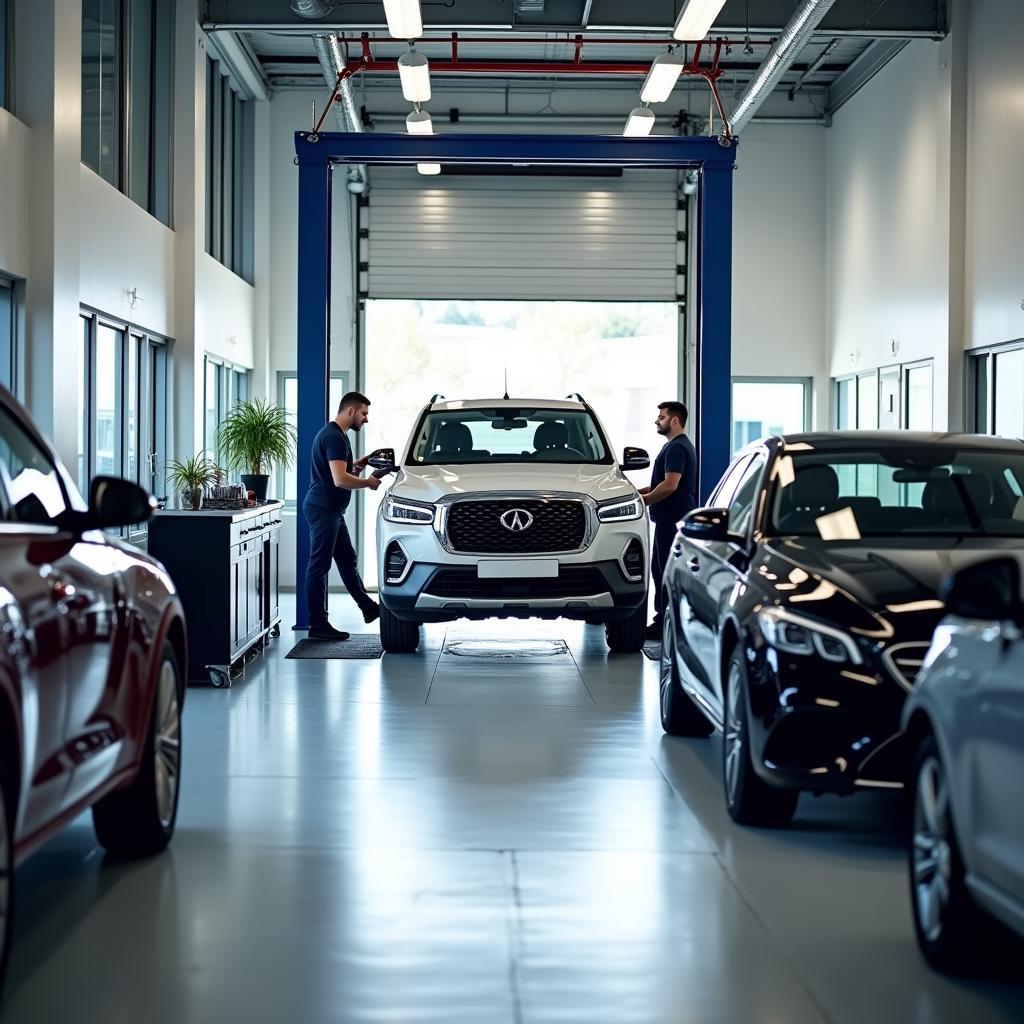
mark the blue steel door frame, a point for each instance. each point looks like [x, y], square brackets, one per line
[318, 155]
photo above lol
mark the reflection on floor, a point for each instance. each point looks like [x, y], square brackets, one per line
[450, 836]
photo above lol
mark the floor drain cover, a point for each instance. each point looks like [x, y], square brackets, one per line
[507, 649]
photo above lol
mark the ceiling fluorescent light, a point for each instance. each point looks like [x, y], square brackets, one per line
[696, 18]
[428, 168]
[404, 18]
[419, 123]
[414, 71]
[662, 78]
[640, 122]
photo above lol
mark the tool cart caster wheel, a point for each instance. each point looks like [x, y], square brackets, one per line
[220, 678]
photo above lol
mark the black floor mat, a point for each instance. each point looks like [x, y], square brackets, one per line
[358, 645]
[652, 650]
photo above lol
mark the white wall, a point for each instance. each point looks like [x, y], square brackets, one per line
[227, 306]
[778, 280]
[995, 154]
[15, 171]
[123, 248]
[888, 221]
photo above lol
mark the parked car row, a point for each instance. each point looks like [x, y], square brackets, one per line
[847, 612]
[92, 663]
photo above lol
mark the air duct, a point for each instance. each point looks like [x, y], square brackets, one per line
[331, 54]
[806, 18]
[313, 9]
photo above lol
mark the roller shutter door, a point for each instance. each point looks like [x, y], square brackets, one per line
[498, 237]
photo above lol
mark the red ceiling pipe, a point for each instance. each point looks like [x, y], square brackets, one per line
[566, 40]
[485, 67]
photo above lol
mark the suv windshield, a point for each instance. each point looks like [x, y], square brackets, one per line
[911, 489]
[508, 435]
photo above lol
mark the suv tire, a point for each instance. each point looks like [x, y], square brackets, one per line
[626, 636]
[397, 636]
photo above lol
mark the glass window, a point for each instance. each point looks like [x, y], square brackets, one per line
[918, 400]
[212, 403]
[101, 70]
[5, 52]
[8, 336]
[900, 489]
[131, 396]
[722, 494]
[846, 403]
[33, 487]
[867, 401]
[763, 408]
[140, 99]
[106, 425]
[1008, 412]
[82, 370]
[742, 505]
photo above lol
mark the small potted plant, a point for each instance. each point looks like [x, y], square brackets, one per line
[191, 476]
[255, 437]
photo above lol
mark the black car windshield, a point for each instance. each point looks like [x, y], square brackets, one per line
[933, 489]
[508, 434]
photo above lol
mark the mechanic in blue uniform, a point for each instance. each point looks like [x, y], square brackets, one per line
[334, 476]
[673, 493]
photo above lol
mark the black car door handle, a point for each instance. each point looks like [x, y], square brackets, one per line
[693, 565]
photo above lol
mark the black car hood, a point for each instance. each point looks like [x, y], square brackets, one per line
[883, 574]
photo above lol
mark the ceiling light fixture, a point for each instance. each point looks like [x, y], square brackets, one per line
[419, 123]
[414, 71]
[404, 18]
[695, 19]
[640, 122]
[428, 168]
[662, 77]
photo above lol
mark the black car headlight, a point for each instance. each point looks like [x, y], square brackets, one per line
[405, 510]
[786, 631]
[620, 510]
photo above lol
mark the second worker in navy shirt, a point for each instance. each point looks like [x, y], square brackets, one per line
[673, 493]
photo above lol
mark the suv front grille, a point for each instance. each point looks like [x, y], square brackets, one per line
[571, 581]
[905, 660]
[475, 527]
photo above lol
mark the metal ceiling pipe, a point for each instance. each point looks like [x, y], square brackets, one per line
[802, 25]
[333, 59]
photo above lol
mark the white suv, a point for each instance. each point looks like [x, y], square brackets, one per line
[514, 508]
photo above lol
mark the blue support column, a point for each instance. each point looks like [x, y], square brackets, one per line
[714, 334]
[313, 341]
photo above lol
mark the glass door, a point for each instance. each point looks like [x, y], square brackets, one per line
[889, 398]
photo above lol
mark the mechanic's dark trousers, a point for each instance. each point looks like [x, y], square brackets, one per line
[329, 541]
[664, 538]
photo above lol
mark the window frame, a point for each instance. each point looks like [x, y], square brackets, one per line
[876, 373]
[227, 377]
[985, 357]
[6, 52]
[11, 375]
[806, 382]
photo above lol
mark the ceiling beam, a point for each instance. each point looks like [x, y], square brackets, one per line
[861, 71]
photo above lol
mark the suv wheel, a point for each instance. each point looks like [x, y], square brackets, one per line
[138, 821]
[626, 636]
[679, 715]
[7, 797]
[749, 799]
[397, 636]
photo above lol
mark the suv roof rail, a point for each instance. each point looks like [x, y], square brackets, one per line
[579, 398]
[435, 398]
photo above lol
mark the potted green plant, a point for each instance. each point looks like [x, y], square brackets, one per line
[255, 437]
[191, 476]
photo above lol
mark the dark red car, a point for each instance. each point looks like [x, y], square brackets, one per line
[92, 649]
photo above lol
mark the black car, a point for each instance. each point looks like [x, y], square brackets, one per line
[800, 604]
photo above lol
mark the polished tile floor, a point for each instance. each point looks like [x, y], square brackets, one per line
[457, 836]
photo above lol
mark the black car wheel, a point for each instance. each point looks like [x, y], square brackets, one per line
[954, 933]
[138, 821]
[397, 636]
[7, 801]
[679, 715]
[749, 799]
[627, 636]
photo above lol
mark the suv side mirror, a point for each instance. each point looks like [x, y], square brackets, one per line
[115, 502]
[706, 524]
[634, 458]
[985, 590]
[382, 458]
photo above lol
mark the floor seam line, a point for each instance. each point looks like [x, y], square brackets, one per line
[515, 928]
[440, 654]
[580, 673]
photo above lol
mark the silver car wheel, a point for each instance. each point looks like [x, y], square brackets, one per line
[668, 652]
[933, 856]
[733, 734]
[167, 743]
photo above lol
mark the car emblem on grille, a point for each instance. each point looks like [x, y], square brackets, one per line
[516, 520]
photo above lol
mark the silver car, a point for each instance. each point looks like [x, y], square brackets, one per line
[965, 725]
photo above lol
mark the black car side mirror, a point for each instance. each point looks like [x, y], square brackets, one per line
[634, 458]
[985, 590]
[706, 524]
[115, 502]
[382, 458]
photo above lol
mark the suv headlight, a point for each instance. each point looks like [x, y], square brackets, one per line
[620, 510]
[786, 631]
[405, 510]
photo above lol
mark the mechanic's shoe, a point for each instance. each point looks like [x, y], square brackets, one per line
[327, 632]
[371, 613]
[653, 631]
